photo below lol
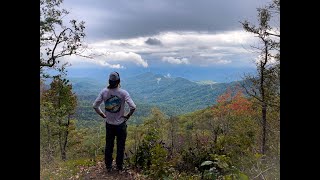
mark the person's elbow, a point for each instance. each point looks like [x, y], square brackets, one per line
[94, 106]
[133, 108]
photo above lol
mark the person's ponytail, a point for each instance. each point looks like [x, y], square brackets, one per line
[114, 84]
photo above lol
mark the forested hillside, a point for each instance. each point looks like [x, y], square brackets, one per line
[173, 96]
[181, 129]
[224, 138]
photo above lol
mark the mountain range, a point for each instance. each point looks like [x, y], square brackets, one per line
[172, 95]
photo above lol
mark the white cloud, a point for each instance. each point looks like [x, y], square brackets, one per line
[179, 41]
[205, 39]
[116, 66]
[126, 57]
[222, 61]
[196, 48]
[81, 61]
[168, 75]
[102, 58]
[173, 60]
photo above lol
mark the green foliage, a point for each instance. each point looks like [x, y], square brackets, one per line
[57, 105]
[151, 155]
[175, 175]
[221, 168]
[265, 86]
[163, 147]
[61, 96]
[192, 158]
[87, 142]
[221, 161]
[142, 158]
[159, 165]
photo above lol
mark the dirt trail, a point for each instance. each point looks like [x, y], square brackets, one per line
[99, 172]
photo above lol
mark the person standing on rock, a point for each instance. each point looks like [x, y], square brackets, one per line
[114, 99]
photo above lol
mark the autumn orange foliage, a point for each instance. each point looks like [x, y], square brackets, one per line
[228, 104]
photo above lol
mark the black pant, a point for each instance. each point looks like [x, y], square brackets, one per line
[112, 131]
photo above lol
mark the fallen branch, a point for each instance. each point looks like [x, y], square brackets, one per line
[262, 172]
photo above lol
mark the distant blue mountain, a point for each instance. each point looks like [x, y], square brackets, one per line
[179, 92]
[173, 95]
[222, 75]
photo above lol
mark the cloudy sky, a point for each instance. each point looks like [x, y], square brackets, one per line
[151, 34]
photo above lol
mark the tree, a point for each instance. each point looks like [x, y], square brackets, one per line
[59, 104]
[265, 87]
[56, 39]
[172, 133]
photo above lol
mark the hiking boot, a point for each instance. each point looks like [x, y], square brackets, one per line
[109, 169]
[120, 168]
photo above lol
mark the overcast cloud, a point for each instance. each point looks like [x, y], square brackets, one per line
[180, 32]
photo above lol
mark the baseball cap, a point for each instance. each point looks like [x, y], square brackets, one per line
[114, 76]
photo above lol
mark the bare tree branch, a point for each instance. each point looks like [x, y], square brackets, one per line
[52, 60]
[268, 33]
[249, 93]
[263, 172]
[69, 39]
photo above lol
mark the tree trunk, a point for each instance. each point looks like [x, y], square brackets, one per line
[63, 155]
[60, 140]
[49, 151]
[172, 136]
[63, 152]
[264, 127]
[172, 143]
[263, 98]
[215, 136]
